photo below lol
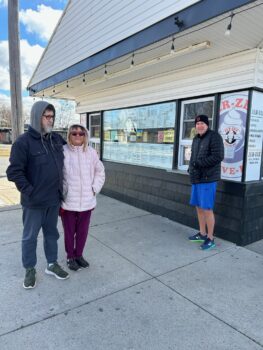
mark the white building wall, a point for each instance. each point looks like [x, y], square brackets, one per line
[259, 70]
[233, 72]
[89, 26]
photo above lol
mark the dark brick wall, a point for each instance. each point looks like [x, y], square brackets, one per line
[253, 209]
[238, 209]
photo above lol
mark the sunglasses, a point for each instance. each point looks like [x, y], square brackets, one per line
[81, 133]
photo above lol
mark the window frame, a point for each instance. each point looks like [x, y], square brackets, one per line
[95, 142]
[188, 142]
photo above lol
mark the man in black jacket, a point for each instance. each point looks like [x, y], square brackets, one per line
[36, 165]
[205, 169]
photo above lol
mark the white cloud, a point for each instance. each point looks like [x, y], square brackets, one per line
[4, 78]
[4, 68]
[4, 100]
[4, 53]
[41, 22]
[30, 55]
[3, 2]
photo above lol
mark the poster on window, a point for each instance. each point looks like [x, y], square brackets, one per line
[255, 138]
[168, 136]
[83, 119]
[232, 128]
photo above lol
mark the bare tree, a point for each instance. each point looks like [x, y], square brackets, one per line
[14, 69]
[5, 116]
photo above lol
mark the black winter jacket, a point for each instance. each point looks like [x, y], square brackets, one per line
[36, 168]
[207, 154]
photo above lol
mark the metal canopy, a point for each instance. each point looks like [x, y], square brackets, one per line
[204, 27]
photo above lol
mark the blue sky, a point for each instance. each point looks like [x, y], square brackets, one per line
[37, 22]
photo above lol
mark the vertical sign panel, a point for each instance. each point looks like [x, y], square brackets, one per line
[232, 128]
[255, 139]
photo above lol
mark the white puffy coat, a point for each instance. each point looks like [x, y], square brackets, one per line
[84, 175]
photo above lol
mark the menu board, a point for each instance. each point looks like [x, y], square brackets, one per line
[255, 138]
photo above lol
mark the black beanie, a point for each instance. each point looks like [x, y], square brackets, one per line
[202, 118]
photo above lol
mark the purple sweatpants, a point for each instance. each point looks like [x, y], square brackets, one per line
[76, 228]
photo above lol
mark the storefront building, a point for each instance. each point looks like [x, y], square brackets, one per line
[140, 79]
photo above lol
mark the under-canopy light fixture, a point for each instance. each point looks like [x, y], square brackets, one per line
[84, 79]
[184, 51]
[172, 47]
[132, 61]
[229, 27]
[192, 48]
[176, 53]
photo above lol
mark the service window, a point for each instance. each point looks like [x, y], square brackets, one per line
[140, 135]
[94, 131]
[189, 110]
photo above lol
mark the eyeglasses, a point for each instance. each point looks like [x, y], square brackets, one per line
[48, 117]
[81, 133]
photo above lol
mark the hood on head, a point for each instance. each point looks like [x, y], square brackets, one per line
[82, 127]
[37, 111]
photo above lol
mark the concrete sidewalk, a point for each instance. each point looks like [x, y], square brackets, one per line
[147, 288]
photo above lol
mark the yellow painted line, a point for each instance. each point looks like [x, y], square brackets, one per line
[5, 150]
[9, 195]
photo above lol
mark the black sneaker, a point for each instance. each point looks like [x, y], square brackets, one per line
[72, 265]
[208, 244]
[82, 262]
[30, 278]
[57, 271]
[198, 237]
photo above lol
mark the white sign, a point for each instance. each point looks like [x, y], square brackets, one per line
[254, 150]
[232, 128]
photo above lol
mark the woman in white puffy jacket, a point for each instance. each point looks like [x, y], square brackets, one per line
[84, 177]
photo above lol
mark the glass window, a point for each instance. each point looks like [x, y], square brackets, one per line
[140, 135]
[189, 110]
[94, 125]
[94, 130]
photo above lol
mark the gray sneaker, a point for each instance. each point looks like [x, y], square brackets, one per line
[30, 278]
[56, 271]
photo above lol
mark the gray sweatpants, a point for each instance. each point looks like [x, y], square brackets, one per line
[33, 221]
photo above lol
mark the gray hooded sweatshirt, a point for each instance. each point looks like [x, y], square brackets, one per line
[37, 111]
[36, 163]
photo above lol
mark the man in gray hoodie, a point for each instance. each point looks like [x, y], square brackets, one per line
[36, 164]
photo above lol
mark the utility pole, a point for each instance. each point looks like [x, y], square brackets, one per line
[15, 70]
